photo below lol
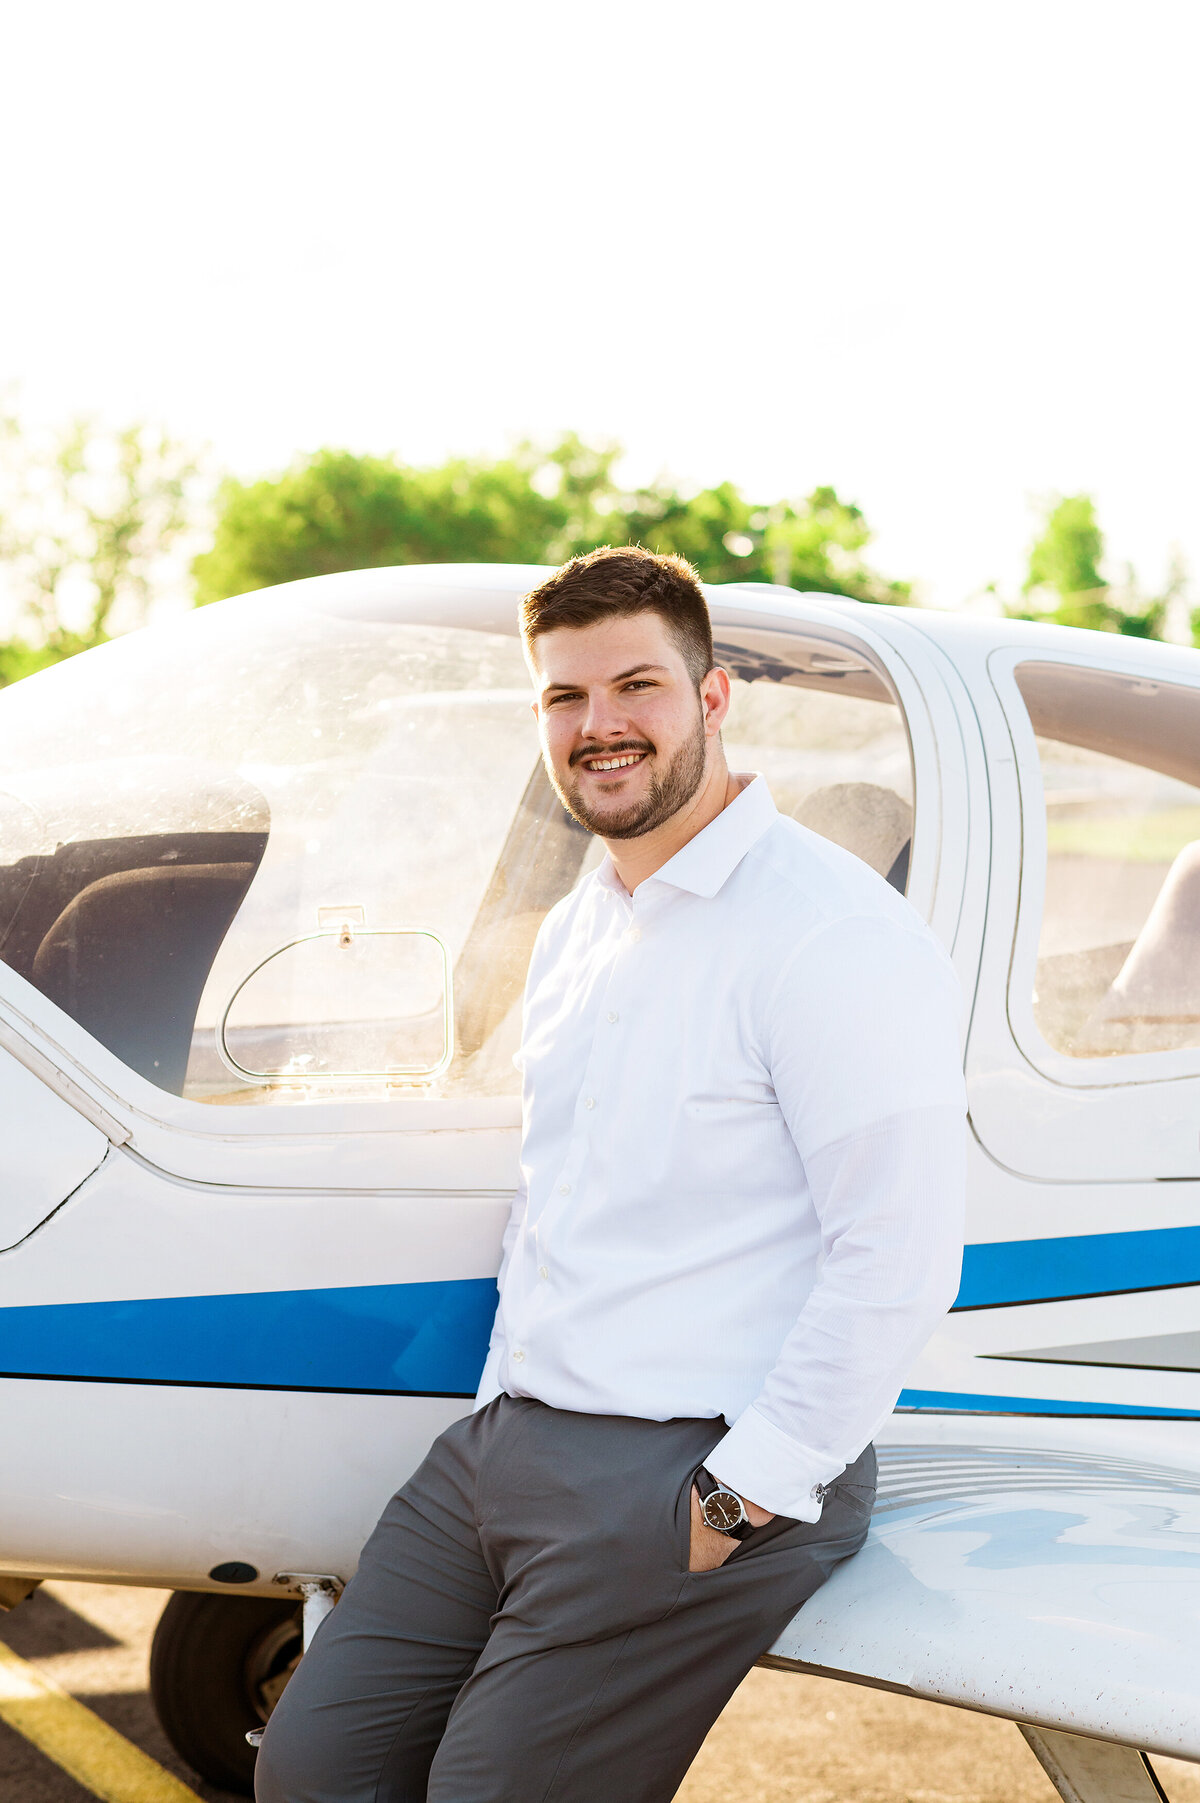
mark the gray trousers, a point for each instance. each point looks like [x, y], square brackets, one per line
[523, 1627]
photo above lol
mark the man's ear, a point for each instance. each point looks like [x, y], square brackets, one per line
[715, 696]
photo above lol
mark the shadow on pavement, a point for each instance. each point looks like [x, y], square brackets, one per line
[43, 1625]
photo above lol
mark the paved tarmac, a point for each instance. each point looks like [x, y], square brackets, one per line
[93, 1640]
[782, 1739]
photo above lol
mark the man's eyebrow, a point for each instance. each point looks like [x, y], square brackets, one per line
[637, 670]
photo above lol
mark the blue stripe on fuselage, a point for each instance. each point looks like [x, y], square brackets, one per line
[427, 1338]
[1085, 1264]
[953, 1401]
[431, 1338]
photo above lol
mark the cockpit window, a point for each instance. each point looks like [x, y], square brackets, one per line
[180, 806]
[276, 855]
[1118, 965]
[826, 730]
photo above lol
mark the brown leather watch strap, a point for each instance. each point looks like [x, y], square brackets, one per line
[706, 1484]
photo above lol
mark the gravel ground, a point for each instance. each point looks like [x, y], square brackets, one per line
[782, 1739]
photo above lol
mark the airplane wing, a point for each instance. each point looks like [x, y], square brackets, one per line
[1060, 1589]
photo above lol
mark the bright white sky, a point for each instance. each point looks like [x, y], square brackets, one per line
[943, 256]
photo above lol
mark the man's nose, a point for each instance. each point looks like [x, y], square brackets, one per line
[604, 718]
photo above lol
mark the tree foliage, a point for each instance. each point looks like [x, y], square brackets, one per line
[1065, 582]
[87, 515]
[1067, 553]
[812, 543]
[335, 510]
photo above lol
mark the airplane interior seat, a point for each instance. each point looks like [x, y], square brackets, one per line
[129, 955]
[867, 819]
[1159, 981]
[539, 862]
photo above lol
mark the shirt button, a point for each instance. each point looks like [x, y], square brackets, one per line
[589, 1102]
[613, 1018]
[635, 933]
[518, 1356]
[564, 1189]
[543, 1272]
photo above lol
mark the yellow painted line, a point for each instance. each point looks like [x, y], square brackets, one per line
[94, 1754]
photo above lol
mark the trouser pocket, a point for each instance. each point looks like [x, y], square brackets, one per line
[712, 1431]
[770, 1530]
[857, 1483]
[853, 1489]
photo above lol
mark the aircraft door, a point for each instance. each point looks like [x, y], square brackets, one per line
[1086, 1049]
[1078, 1295]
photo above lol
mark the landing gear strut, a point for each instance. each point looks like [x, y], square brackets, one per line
[1093, 1771]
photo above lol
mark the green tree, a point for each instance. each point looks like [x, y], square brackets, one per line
[815, 544]
[87, 517]
[810, 544]
[335, 510]
[1066, 555]
[712, 529]
[580, 476]
[1065, 583]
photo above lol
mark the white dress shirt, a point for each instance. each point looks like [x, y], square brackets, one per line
[742, 1168]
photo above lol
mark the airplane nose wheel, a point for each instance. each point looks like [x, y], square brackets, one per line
[218, 1666]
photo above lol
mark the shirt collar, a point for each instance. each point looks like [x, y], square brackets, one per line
[705, 863]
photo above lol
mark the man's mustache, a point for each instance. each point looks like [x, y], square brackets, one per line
[608, 751]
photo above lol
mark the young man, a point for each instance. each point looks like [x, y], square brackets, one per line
[739, 1218]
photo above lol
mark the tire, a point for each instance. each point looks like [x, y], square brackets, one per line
[218, 1666]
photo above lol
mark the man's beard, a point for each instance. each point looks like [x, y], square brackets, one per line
[666, 795]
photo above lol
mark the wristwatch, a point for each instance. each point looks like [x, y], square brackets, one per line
[721, 1508]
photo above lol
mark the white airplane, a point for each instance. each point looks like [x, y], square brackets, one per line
[269, 878]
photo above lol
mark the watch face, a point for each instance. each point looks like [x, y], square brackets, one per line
[723, 1510]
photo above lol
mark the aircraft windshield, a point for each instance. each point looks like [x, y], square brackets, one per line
[273, 855]
[182, 805]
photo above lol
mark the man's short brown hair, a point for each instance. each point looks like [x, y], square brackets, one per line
[619, 581]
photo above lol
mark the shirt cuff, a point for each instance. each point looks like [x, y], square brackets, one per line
[764, 1465]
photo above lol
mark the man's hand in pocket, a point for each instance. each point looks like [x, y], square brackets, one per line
[709, 1548]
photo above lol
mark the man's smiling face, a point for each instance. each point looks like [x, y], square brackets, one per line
[625, 736]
